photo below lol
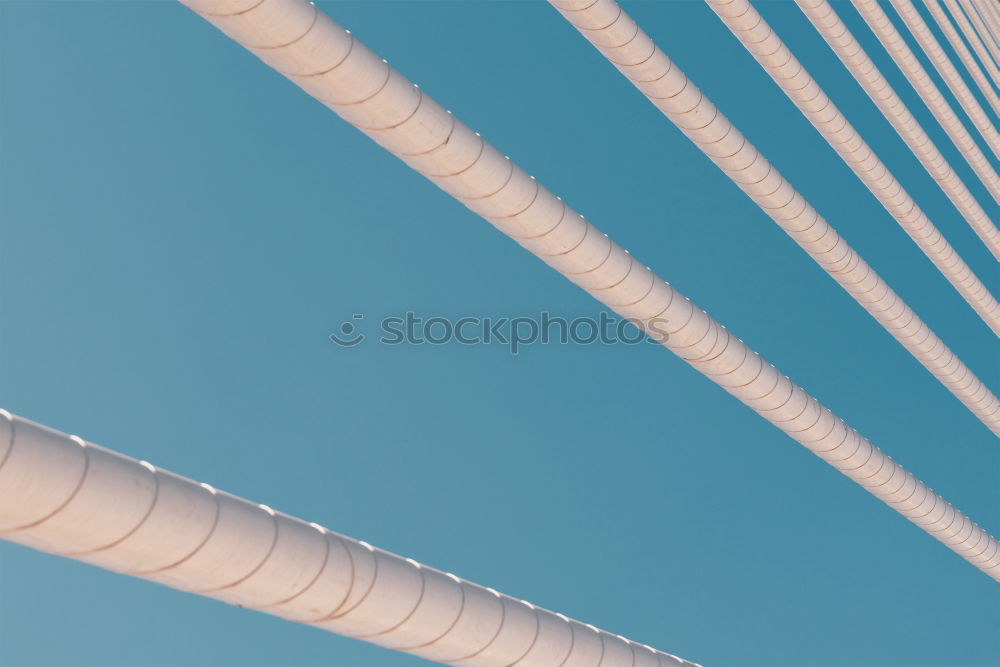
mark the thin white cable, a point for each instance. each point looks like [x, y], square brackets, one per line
[911, 17]
[974, 39]
[316, 54]
[958, 46]
[65, 496]
[980, 15]
[730, 150]
[991, 14]
[914, 72]
[823, 17]
[990, 18]
[754, 33]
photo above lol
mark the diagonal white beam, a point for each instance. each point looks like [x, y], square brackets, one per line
[915, 73]
[982, 17]
[305, 45]
[974, 39]
[65, 496]
[958, 46]
[733, 153]
[990, 13]
[754, 33]
[915, 23]
[823, 17]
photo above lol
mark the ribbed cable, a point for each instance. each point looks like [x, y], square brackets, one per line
[958, 46]
[972, 36]
[911, 17]
[991, 16]
[823, 17]
[65, 496]
[914, 72]
[296, 39]
[983, 18]
[754, 33]
[991, 13]
[626, 46]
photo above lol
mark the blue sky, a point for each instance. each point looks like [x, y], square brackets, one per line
[182, 229]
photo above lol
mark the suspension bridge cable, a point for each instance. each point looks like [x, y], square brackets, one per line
[730, 150]
[65, 496]
[917, 76]
[983, 18]
[958, 46]
[754, 33]
[972, 36]
[329, 63]
[915, 23]
[825, 19]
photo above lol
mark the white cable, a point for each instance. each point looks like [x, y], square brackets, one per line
[991, 15]
[316, 54]
[981, 19]
[985, 15]
[730, 150]
[823, 17]
[68, 497]
[991, 11]
[974, 39]
[773, 55]
[911, 17]
[914, 72]
[964, 55]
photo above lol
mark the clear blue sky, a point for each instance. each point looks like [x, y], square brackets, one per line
[182, 229]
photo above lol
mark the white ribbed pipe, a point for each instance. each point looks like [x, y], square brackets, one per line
[68, 497]
[914, 72]
[958, 46]
[624, 44]
[823, 17]
[982, 17]
[330, 64]
[972, 36]
[754, 33]
[911, 17]
[990, 14]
